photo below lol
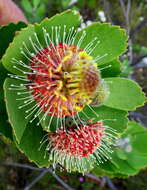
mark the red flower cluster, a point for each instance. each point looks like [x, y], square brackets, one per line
[63, 80]
[80, 142]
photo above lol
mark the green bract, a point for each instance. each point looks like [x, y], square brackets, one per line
[105, 43]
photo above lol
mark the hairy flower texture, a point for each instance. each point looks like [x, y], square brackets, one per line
[61, 78]
[78, 147]
[80, 142]
[68, 80]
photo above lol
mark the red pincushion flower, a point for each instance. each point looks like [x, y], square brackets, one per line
[60, 78]
[78, 147]
[78, 142]
[65, 79]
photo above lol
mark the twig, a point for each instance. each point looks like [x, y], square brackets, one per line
[93, 177]
[66, 186]
[139, 118]
[21, 166]
[123, 8]
[43, 172]
[106, 5]
[138, 115]
[138, 60]
[110, 184]
[126, 13]
[36, 179]
[138, 27]
[102, 180]
[72, 2]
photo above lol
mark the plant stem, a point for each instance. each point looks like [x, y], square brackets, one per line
[36, 180]
[43, 172]
[110, 184]
[21, 166]
[65, 185]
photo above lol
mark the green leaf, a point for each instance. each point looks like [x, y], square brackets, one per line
[106, 167]
[5, 128]
[123, 166]
[3, 75]
[2, 103]
[112, 41]
[16, 116]
[121, 154]
[110, 170]
[137, 155]
[137, 161]
[138, 136]
[7, 33]
[125, 94]
[112, 117]
[128, 162]
[14, 51]
[30, 144]
[116, 167]
[140, 147]
[133, 129]
[112, 71]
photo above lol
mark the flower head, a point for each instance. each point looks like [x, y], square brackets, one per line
[80, 142]
[79, 147]
[65, 77]
[61, 78]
